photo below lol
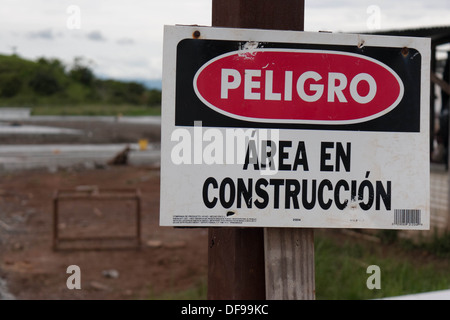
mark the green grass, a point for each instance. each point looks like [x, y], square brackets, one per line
[438, 246]
[341, 269]
[197, 291]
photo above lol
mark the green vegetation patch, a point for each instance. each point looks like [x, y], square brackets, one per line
[341, 269]
[47, 85]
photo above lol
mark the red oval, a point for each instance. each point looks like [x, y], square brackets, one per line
[270, 90]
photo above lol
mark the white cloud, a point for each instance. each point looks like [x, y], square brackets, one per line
[43, 34]
[123, 38]
[125, 41]
[352, 16]
[129, 33]
[95, 36]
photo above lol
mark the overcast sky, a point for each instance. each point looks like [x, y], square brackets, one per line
[123, 39]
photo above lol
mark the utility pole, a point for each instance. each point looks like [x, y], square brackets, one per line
[257, 263]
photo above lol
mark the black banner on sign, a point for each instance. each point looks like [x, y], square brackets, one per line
[192, 54]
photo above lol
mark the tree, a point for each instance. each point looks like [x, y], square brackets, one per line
[10, 85]
[81, 72]
[48, 76]
[154, 97]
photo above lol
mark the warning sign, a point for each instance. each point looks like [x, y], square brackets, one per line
[294, 129]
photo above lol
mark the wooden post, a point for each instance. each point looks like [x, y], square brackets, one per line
[289, 255]
[259, 14]
[236, 264]
[245, 263]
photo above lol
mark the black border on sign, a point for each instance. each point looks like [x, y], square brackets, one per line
[192, 54]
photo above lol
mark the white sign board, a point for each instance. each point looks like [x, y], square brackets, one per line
[294, 129]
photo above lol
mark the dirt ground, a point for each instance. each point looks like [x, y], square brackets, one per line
[169, 259]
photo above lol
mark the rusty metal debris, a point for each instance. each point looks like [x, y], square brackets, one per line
[405, 51]
[121, 158]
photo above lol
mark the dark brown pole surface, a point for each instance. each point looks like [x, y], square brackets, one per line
[236, 264]
[259, 14]
[236, 255]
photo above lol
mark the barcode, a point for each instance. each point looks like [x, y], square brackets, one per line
[405, 217]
